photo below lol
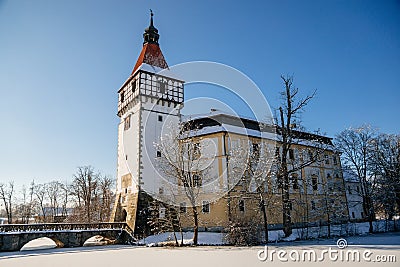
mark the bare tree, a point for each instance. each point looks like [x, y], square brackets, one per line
[385, 167]
[53, 190]
[6, 194]
[250, 165]
[182, 164]
[84, 188]
[40, 193]
[356, 145]
[288, 117]
[106, 197]
[64, 198]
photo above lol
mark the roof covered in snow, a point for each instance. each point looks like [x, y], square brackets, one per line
[151, 54]
[219, 121]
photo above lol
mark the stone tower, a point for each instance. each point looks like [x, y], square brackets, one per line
[151, 96]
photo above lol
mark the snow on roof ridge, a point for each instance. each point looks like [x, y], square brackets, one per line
[157, 70]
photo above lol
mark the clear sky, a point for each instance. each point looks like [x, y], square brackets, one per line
[62, 62]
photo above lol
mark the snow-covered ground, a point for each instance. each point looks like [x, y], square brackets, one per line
[209, 238]
[377, 244]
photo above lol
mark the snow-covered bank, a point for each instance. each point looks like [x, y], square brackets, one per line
[210, 238]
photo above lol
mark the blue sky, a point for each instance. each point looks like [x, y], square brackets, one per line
[62, 62]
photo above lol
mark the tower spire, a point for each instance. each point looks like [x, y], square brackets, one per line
[151, 53]
[150, 34]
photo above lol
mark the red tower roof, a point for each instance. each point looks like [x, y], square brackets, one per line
[151, 54]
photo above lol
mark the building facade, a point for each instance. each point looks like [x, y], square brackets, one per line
[151, 99]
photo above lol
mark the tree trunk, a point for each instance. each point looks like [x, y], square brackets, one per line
[195, 225]
[265, 220]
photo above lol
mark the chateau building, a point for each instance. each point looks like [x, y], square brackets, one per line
[151, 99]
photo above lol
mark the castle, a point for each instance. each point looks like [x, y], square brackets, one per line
[151, 99]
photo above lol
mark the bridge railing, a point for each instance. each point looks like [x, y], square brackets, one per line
[64, 227]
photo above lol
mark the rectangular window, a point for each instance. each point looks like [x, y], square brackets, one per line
[310, 155]
[182, 207]
[314, 181]
[196, 180]
[158, 154]
[160, 118]
[241, 205]
[326, 159]
[206, 207]
[162, 87]
[334, 160]
[290, 205]
[295, 181]
[127, 122]
[362, 214]
[349, 189]
[312, 204]
[133, 86]
[353, 215]
[291, 154]
[122, 96]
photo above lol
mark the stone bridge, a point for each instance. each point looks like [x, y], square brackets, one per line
[14, 236]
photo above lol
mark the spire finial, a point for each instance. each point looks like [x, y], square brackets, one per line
[151, 17]
[151, 33]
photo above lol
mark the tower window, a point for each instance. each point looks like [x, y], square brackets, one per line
[162, 87]
[127, 122]
[206, 207]
[160, 118]
[133, 86]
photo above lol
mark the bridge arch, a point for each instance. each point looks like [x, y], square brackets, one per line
[98, 240]
[41, 242]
